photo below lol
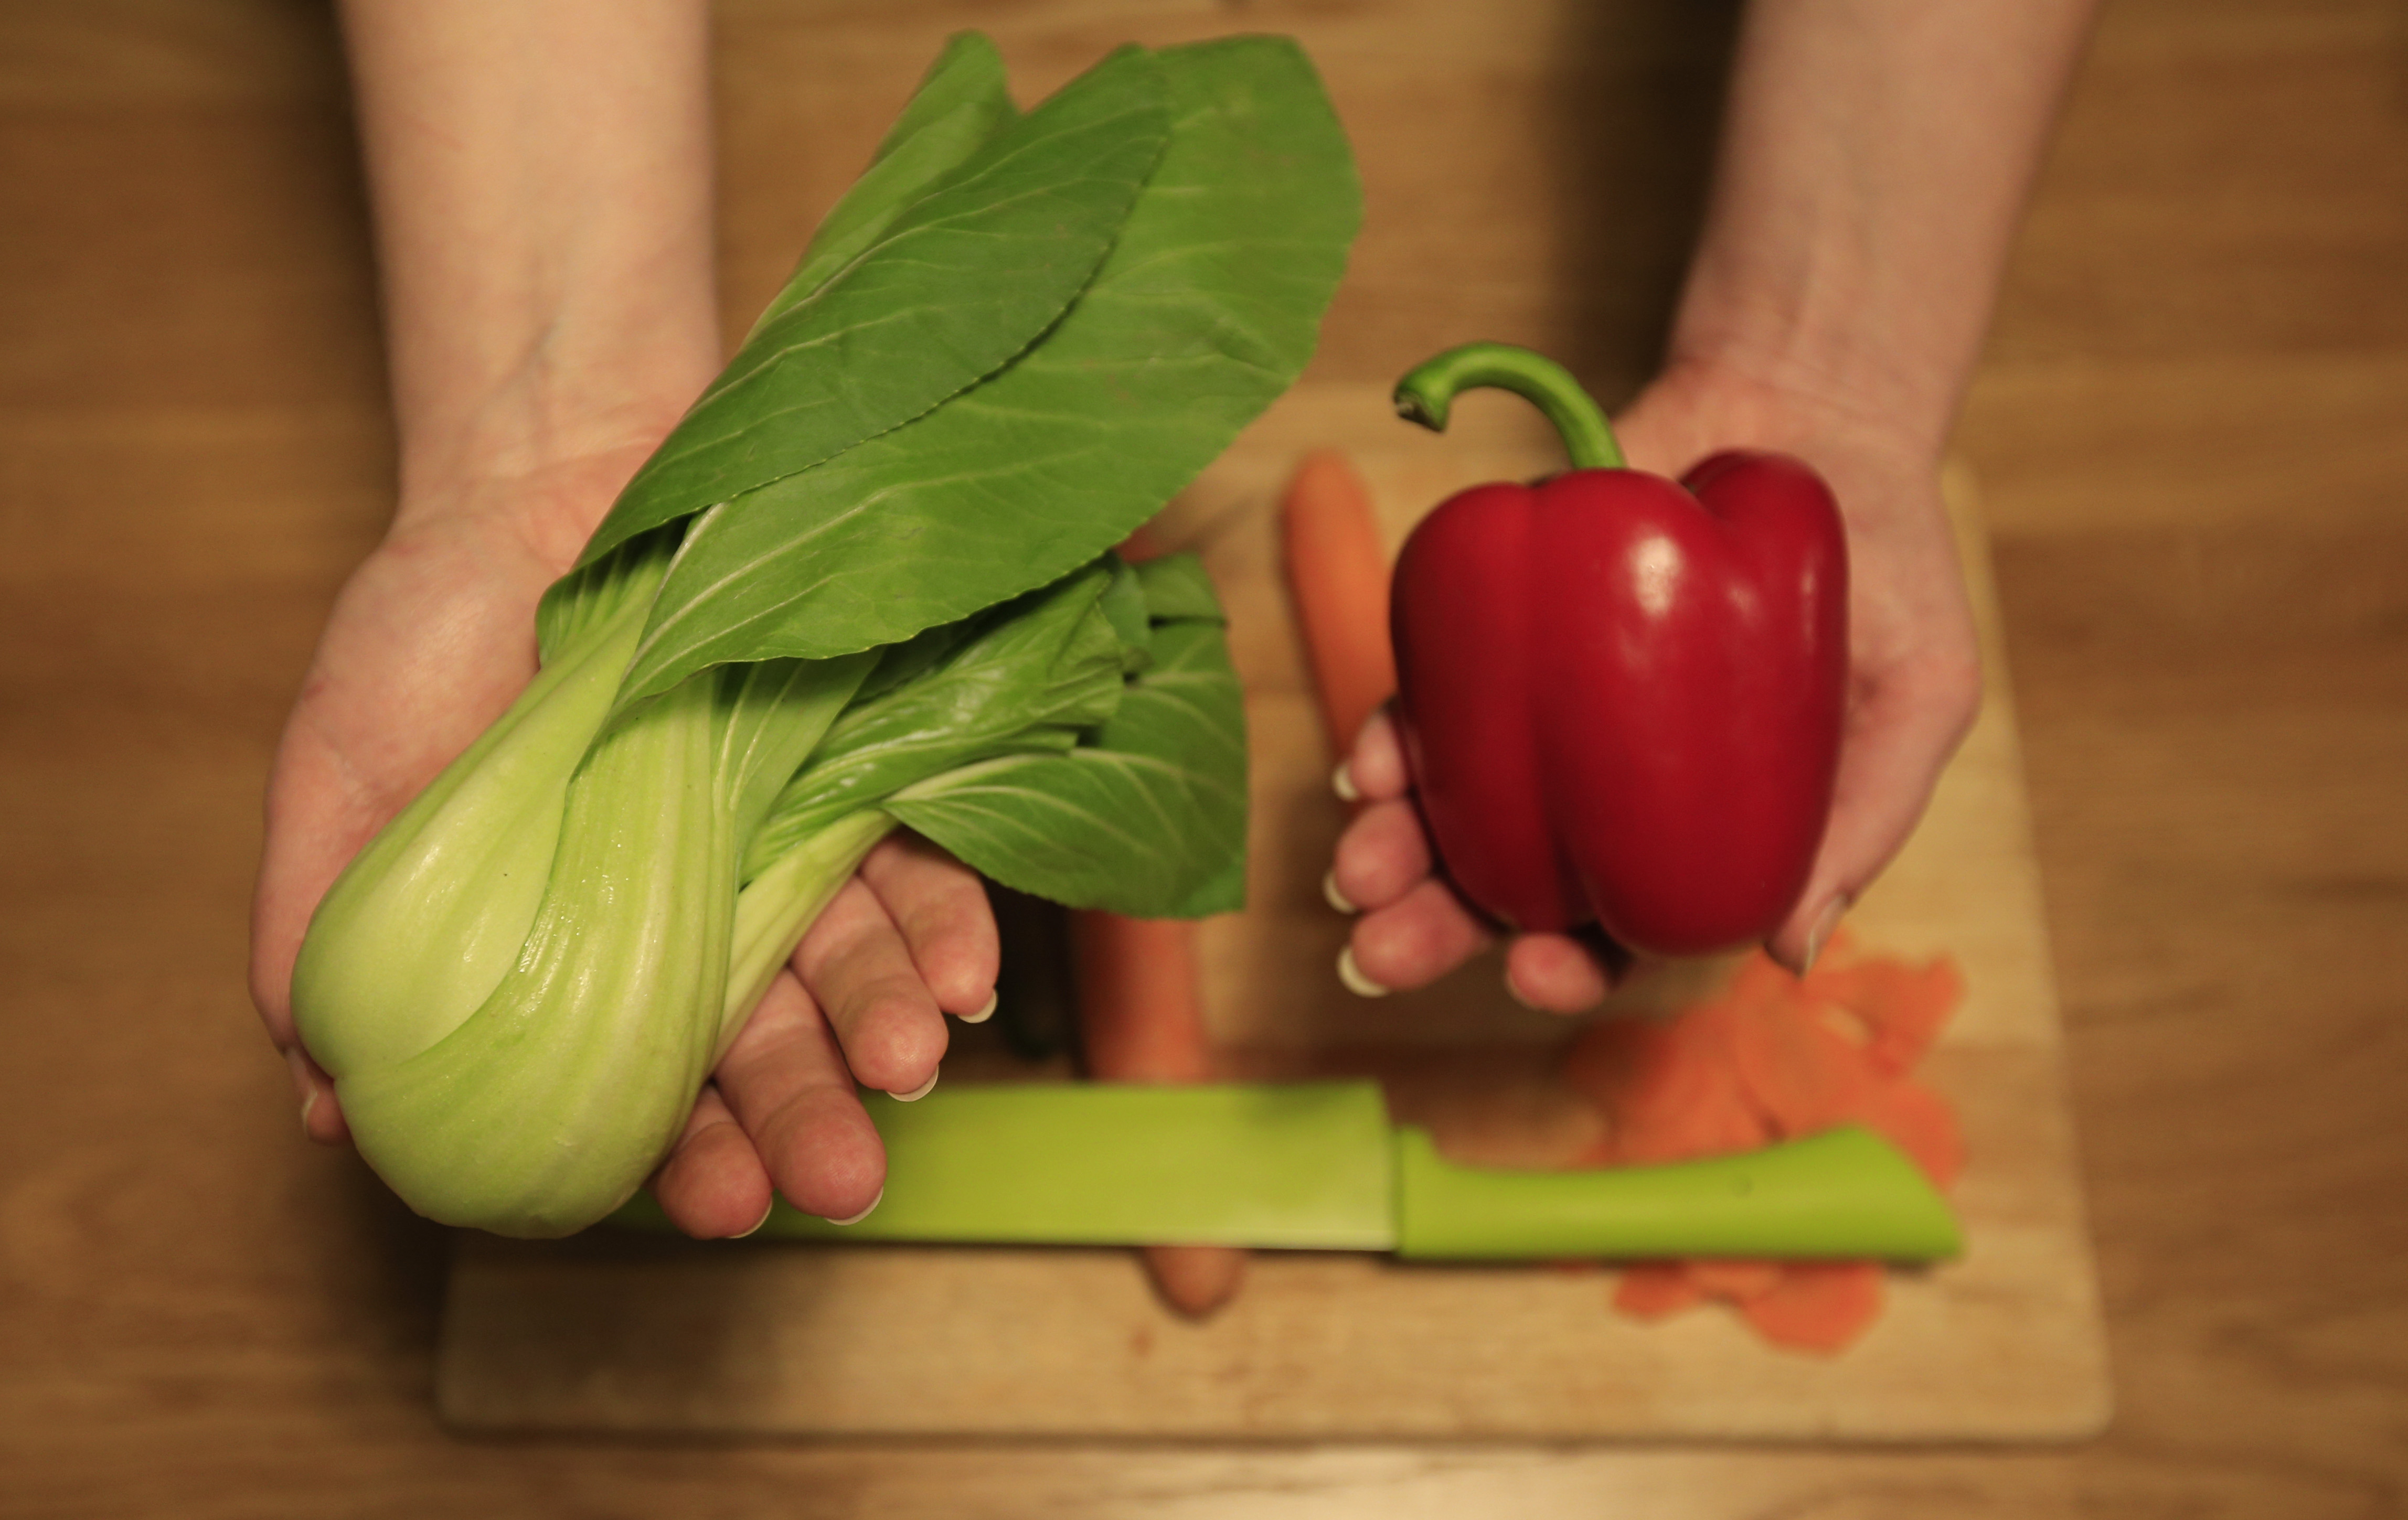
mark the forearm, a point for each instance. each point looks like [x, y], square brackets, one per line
[541, 178]
[1875, 160]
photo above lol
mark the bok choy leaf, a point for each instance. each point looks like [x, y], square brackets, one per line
[1205, 311]
[952, 286]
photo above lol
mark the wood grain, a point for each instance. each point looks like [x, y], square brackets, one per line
[2004, 1344]
[2190, 429]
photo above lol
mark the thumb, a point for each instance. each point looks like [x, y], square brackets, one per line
[1901, 733]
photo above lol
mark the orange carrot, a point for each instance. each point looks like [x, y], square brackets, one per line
[1139, 1020]
[1802, 1074]
[1652, 1289]
[1337, 574]
[1919, 1121]
[1737, 1281]
[1669, 1088]
[1773, 1056]
[1819, 1305]
[1900, 1006]
[1198, 1280]
[1139, 1016]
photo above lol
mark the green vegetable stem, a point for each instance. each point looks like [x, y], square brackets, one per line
[865, 584]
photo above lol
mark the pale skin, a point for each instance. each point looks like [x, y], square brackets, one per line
[1876, 156]
[541, 178]
[541, 173]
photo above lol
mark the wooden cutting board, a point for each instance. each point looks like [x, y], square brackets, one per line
[610, 1333]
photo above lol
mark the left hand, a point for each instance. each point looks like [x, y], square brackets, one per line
[429, 642]
[1916, 685]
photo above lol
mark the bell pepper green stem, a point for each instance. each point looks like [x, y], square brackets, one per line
[1431, 388]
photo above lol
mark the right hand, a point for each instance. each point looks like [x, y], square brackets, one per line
[1914, 686]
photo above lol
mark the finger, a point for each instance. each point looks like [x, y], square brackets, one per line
[939, 905]
[317, 820]
[713, 1185]
[1413, 941]
[321, 1112]
[859, 971]
[1556, 973]
[1382, 855]
[787, 1085]
[1376, 770]
[1901, 733]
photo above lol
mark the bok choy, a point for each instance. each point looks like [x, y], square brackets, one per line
[867, 583]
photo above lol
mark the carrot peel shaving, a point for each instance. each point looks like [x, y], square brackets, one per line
[1774, 1057]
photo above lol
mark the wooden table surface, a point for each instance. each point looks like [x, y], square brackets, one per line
[2192, 430]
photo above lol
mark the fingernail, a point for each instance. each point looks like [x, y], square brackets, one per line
[985, 1012]
[1331, 894]
[1515, 993]
[865, 1212]
[1822, 930]
[1352, 974]
[767, 1210]
[299, 1065]
[917, 1093]
[1341, 782]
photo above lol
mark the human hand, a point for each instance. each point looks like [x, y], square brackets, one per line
[1913, 689]
[429, 642]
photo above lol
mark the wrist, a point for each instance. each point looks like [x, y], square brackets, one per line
[545, 415]
[531, 505]
[1734, 399]
[548, 440]
[1861, 377]
[541, 179]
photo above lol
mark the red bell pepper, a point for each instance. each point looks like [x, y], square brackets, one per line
[1621, 696]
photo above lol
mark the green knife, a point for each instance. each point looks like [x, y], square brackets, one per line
[1317, 1166]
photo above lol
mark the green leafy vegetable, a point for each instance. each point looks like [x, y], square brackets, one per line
[1122, 820]
[1203, 313]
[960, 104]
[1037, 687]
[949, 288]
[864, 585]
[600, 1019]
